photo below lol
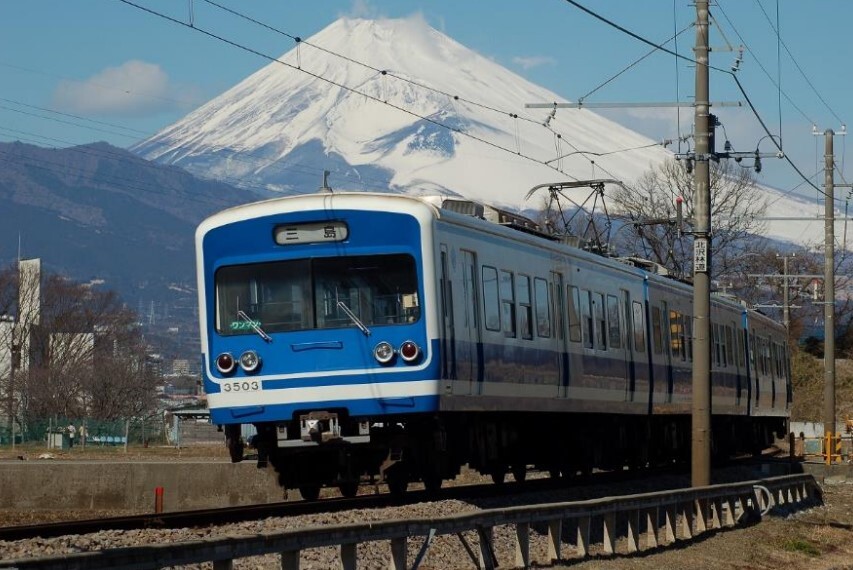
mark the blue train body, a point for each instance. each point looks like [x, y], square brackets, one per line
[376, 334]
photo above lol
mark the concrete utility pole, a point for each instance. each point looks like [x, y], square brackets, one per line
[702, 256]
[829, 294]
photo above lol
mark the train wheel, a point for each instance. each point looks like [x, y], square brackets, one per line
[519, 473]
[234, 443]
[498, 475]
[432, 483]
[348, 489]
[310, 492]
[398, 482]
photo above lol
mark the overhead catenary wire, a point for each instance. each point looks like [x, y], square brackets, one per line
[390, 74]
[796, 63]
[345, 87]
[762, 68]
[725, 71]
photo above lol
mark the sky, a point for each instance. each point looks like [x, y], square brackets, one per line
[79, 71]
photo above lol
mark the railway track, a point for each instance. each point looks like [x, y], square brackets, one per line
[219, 516]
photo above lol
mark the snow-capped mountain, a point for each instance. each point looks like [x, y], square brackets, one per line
[425, 115]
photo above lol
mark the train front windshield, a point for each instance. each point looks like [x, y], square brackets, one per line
[317, 293]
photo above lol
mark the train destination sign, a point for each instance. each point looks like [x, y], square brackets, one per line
[311, 232]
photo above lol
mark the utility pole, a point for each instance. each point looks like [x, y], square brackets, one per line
[829, 296]
[702, 257]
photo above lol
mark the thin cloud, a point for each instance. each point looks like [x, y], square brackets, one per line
[362, 9]
[533, 61]
[134, 88]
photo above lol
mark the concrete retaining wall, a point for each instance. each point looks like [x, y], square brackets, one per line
[102, 485]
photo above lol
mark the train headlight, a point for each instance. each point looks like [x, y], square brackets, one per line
[250, 361]
[383, 352]
[410, 351]
[225, 363]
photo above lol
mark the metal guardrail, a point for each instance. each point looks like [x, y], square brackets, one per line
[671, 515]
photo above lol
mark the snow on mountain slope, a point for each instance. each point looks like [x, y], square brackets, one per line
[440, 120]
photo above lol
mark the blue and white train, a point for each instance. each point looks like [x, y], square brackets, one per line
[382, 335]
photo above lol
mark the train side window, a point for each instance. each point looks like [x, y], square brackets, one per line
[600, 322]
[491, 300]
[715, 342]
[777, 361]
[675, 333]
[543, 307]
[586, 315]
[614, 326]
[507, 303]
[657, 333]
[688, 337]
[752, 349]
[730, 355]
[639, 327]
[574, 314]
[741, 361]
[524, 309]
[555, 291]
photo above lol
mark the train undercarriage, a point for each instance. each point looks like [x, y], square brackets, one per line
[332, 451]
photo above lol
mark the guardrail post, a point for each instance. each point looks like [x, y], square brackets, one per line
[290, 560]
[583, 536]
[487, 554]
[608, 538]
[747, 504]
[349, 556]
[701, 515]
[728, 515]
[522, 545]
[670, 520]
[717, 513]
[686, 520]
[398, 554]
[634, 531]
[652, 528]
[555, 537]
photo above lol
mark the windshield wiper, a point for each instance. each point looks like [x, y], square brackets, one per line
[255, 326]
[353, 318]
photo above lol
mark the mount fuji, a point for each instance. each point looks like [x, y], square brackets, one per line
[408, 109]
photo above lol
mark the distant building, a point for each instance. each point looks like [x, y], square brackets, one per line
[181, 367]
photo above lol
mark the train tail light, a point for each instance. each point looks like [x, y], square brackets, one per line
[410, 351]
[225, 363]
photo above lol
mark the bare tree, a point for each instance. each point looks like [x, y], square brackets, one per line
[737, 206]
[82, 353]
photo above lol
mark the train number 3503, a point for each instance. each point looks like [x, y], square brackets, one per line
[247, 386]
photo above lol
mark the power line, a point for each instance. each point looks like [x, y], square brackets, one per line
[631, 65]
[761, 66]
[22, 112]
[74, 116]
[728, 72]
[299, 41]
[796, 64]
[348, 88]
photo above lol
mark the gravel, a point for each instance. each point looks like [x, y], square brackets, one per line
[816, 538]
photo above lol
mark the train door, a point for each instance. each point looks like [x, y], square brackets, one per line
[448, 333]
[469, 348]
[560, 336]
